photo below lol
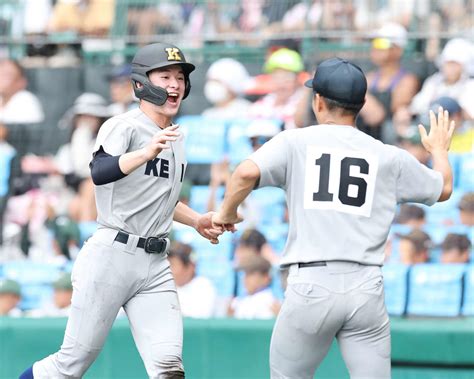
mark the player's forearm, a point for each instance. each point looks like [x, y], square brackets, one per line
[441, 164]
[241, 183]
[129, 162]
[185, 215]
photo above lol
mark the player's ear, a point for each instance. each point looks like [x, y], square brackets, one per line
[314, 103]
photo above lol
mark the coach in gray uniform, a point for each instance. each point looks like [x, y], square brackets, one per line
[138, 169]
[342, 190]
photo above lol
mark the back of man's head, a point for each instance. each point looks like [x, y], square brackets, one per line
[341, 86]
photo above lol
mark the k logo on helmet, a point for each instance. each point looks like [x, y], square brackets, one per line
[173, 54]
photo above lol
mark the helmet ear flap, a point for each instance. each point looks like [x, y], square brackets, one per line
[187, 87]
[148, 91]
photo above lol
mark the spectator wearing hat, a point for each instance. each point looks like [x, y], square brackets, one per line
[462, 141]
[414, 247]
[390, 86]
[466, 209]
[197, 295]
[284, 66]
[452, 79]
[10, 296]
[226, 80]
[463, 137]
[121, 90]
[456, 248]
[411, 215]
[259, 303]
[61, 301]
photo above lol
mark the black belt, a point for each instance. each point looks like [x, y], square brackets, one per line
[152, 245]
[312, 264]
[306, 264]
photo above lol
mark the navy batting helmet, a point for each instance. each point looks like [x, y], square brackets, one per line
[155, 56]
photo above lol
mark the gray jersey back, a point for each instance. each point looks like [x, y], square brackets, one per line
[342, 190]
[143, 202]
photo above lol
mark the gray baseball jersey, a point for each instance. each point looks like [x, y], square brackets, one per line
[109, 274]
[143, 202]
[342, 189]
[341, 183]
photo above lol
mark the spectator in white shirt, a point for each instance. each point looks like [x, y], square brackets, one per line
[17, 105]
[197, 295]
[259, 303]
[451, 80]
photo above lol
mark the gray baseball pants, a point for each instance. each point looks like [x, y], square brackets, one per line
[342, 300]
[106, 276]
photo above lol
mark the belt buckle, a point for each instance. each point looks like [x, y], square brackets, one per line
[155, 245]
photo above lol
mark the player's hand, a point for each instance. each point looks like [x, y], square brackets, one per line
[160, 141]
[227, 222]
[441, 132]
[207, 229]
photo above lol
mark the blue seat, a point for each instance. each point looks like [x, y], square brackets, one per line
[34, 296]
[205, 139]
[395, 287]
[200, 196]
[25, 272]
[86, 229]
[468, 300]
[220, 272]
[435, 289]
[466, 168]
[238, 145]
[271, 203]
[276, 235]
[439, 213]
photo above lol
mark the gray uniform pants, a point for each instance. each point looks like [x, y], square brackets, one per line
[106, 276]
[343, 300]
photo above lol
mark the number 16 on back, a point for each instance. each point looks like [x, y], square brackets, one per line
[340, 180]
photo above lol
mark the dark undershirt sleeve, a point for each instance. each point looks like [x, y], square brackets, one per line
[105, 168]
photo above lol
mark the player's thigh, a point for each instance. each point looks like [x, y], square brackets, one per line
[303, 332]
[98, 294]
[365, 339]
[157, 328]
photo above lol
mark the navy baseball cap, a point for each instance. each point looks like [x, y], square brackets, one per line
[339, 80]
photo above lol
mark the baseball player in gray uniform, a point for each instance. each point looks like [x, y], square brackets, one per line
[342, 189]
[138, 167]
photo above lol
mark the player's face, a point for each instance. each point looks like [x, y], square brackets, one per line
[172, 79]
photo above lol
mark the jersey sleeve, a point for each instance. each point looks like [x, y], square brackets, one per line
[272, 160]
[416, 182]
[114, 136]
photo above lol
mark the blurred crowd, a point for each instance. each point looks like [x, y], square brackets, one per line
[47, 206]
[193, 23]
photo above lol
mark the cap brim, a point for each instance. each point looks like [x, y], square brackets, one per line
[309, 83]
